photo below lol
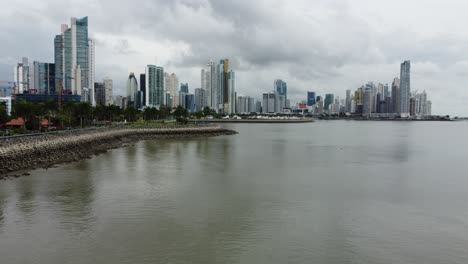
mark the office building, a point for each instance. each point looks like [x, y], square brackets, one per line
[154, 84]
[72, 58]
[310, 98]
[132, 89]
[231, 104]
[43, 77]
[329, 99]
[281, 88]
[91, 71]
[143, 89]
[348, 101]
[21, 76]
[405, 88]
[100, 93]
[108, 86]
[396, 95]
[200, 99]
[367, 106]
[184, 88]
[258, 107]
[269, 104]
[190, 103]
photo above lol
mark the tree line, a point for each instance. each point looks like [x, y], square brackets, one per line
[82, 114]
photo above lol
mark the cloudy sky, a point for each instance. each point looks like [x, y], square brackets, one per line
[326, 46]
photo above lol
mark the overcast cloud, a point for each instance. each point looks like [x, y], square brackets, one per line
[326, 46]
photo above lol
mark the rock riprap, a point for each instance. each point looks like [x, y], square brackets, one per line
[45, 150]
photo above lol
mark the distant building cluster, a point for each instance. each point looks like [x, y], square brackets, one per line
[375, 99]
[72, 77]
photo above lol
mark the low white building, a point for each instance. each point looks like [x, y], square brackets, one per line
[7, 102]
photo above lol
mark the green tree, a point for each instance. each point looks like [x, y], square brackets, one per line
[68, 112]
[84, 112]
[25, 110]
[180, 112]
[131, 113]
[4, 117]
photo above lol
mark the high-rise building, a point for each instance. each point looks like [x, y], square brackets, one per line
[154, 83]
[132, 89]
[21, 76]
[190, 103]
[232, 93]
[250, 104]
[428, 108]
[108, 86]
[182, 99]
[310, 98]
[405, 88]
[59, 60]
[258, 106]
[100, 93]
[269, 103]
[225, 86]
[184, 87]
[72, 55]
[242, 105]
[91, 71]
[367, 106]
[212, 86]
[329, 99]
[348, 101]
[359, 100]
[396, 95]
[200, 99]
[412, 106]
[281, 88]
[43, 77]
[143, 89]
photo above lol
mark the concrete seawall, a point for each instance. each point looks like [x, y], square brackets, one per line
[43, 151]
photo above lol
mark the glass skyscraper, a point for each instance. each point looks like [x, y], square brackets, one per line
[72, 56]
[405, 88]
[154, 83]
[310, 98]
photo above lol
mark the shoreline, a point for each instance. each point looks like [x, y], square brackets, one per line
[19, 155]
[254, 121]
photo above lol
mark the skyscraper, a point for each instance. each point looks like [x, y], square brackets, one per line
[143, 89]
[367, 106]
[21, 76]
[108, 86]
[43, 77]
[76, 56]
[132, 89]
[154, 83]
[310, 98]
[225, 86]
[100, 93]
[348, 101]
[232, 93]
[200, 99]
[184, 87]
[91, 70]
[269, 103]
[281, 88]
[396, 95]
[329, 99]
[405, 88]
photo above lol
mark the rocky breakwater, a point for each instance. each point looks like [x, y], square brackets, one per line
[43, 151]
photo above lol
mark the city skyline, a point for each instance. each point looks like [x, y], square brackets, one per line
[256, 63]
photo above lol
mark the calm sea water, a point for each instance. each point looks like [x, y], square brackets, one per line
[325, 192]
